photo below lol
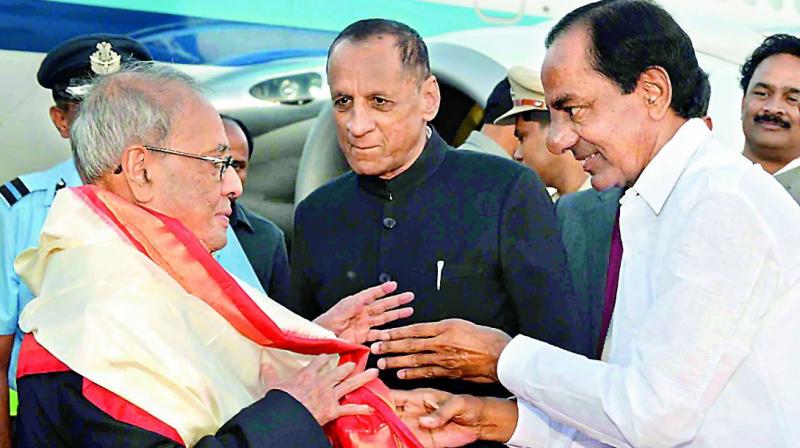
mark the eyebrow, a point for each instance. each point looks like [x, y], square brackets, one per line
[558, 103]
[789, 90]
[218, 149]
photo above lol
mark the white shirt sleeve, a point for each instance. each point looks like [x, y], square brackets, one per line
[707, 297]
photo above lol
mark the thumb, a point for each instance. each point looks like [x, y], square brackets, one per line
[446, 412]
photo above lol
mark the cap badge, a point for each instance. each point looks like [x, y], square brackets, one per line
[105, 60]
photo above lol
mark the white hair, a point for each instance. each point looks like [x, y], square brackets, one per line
[136, 105]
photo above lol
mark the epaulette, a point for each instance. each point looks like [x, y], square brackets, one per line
[13, 191]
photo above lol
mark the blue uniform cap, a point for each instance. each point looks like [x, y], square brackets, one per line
[68, 66]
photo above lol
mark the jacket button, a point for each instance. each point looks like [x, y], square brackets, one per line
[389, 223]
[384, 277]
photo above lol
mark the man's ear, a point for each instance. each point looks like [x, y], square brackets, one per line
[59, 119]
[134, 168]
[431, 97]
[656, 89]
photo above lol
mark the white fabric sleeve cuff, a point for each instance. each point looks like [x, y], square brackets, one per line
[514, 360]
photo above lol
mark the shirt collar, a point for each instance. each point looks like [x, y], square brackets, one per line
[67, 174]
[487, 144]
[659, 177]
[239, 217]
[427, 163]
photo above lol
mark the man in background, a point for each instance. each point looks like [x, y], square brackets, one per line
[561, 173]
[771, 109]
[261, 239]
[495, 139]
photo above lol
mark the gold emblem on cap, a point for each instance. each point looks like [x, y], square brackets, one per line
[105, 60]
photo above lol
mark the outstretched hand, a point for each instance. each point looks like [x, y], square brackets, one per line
[354, 317]
[452, 348]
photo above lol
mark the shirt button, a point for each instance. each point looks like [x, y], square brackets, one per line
[384, 277]
[389, 223]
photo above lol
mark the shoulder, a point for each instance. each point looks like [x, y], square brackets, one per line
[262, 225]
[332, 194]
[587, 199]
[31, 189]
[487, 167]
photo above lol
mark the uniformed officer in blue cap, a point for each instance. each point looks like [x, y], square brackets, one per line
[25, 201]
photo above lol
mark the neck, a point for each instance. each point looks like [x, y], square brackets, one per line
[503, 136]
[570, 179]
[668, 127]
[771, 160]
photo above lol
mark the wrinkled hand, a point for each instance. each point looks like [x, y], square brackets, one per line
[320, 392]
[440, 419]
[416, 406]
[353, 318]
[451, 348]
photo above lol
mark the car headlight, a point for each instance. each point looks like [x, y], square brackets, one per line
[293, 89]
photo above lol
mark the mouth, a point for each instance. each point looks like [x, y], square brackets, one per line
[224, 217]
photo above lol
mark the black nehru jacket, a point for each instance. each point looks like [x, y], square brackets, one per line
[489, 220]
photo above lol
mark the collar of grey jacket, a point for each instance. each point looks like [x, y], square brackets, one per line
[239, 217]
[428, 162]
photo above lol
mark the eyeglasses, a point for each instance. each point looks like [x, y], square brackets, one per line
[224, 162]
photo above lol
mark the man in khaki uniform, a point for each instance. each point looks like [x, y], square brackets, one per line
[561, 173]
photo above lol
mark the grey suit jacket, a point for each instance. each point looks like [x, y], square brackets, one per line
[586, 220]
[791, 181]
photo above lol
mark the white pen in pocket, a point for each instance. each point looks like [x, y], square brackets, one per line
[439, 268]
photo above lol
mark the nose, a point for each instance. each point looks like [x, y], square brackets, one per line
[774, 105]
[360, 122]
[518, 153]
[231, 184]
[560, 136]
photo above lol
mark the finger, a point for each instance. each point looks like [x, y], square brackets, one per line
[417, 360]
[370, 295]
[388, 303]
[353, 409]
[336, 375]
[316, 364]
[390, 316]
[426, 372]
[401, 397]
[423, 330]
[446, 412]
[354, 382]
[411, 345]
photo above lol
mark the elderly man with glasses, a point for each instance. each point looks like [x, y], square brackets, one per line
[139, 337]
[25, 201]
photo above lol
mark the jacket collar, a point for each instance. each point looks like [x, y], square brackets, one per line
[432, 156]
[239, 217]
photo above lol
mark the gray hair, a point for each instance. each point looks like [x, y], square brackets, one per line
[136, 105]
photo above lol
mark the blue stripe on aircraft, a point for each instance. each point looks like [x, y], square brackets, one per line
[38, 26]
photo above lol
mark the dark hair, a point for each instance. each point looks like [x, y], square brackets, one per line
[772, 45]
[498, 103]
[247, 136]
[412, 49]
[629, 36]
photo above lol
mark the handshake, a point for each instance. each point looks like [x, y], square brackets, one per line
[452, 348]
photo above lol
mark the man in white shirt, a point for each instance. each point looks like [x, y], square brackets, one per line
[771, 109]
[701, 348]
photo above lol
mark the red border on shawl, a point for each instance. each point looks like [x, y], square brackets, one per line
[34, 359]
